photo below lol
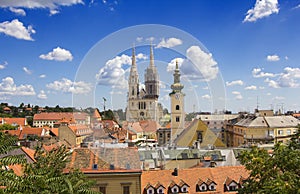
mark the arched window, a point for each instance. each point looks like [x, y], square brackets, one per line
[177, 107]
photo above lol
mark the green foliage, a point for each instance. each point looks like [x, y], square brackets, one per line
[108, 115]
[7, 177]
[47, 175]
[6, 126]
[278, 172]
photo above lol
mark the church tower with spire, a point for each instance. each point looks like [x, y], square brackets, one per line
[177, 104]
[142, 104]
[151, 78]
[133, 80]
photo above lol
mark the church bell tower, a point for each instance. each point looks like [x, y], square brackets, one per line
[177, 104]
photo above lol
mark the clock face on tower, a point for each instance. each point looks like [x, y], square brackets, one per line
[177, 96]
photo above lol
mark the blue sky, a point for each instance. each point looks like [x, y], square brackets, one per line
[233, 54]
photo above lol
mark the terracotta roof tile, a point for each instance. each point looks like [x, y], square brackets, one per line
[29, 152]
[18, 121]
[54, 131]
[194, 176]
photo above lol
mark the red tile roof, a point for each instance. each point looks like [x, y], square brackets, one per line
[54, 131]
[29, 152]
[25, 131]
[12, 121]
[70, 116]
[192, 177]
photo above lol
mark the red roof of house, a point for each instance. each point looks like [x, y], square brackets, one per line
[12, 121]
[29, 152]
[21, 134]
[191, 177]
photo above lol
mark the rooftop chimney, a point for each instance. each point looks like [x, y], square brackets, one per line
[175, 172]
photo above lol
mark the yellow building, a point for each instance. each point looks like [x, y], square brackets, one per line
[109, 169]
[73, 134]
[263, 129]
[197, 134]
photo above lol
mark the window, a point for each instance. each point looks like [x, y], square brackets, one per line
[160, 191]
[102, 189]
[203, 188]
[288, 132]
[126, 190]
[177, 119]
[177, 107]
[184, 189]
[232, 188]
[280, 132]
[212, 187]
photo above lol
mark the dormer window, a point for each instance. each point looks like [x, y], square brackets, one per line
[203, 188]
[230, 185]
[232, 188]
[175, 190]
[212, 187]
[184, 189]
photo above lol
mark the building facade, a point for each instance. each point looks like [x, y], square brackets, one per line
[142, 104]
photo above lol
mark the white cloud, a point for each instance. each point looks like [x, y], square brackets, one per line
[261, 9]
[279, 98]
[150, 39]
[42, 95]
[16, 29]
[258, 73]
[206, 96]
[297, 7]
[273, 58]
[272, 83]
[269, 94]
[236, 82]
[17, 11]
[169, 43]
[54, 12]
[58, 54]
[2, 66]
[9, 88]
[286, 58]
[52, 5]
[238, 95]
[287, 79]
[199, 65]
[172, 64]
[139, 39]
[27, 71]
[141, 56]
[113, 74]
[251, 87]
[42, 76]
[67, 86]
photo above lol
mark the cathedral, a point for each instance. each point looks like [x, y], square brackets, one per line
[142, 104]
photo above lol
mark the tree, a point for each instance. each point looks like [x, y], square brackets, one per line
[46, 175]
[6, 126]
[7, 176]
[273, 173]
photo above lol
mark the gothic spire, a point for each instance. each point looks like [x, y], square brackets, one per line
[151, 56]
[133, 63]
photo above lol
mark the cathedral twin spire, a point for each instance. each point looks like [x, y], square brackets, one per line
[151, 77]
